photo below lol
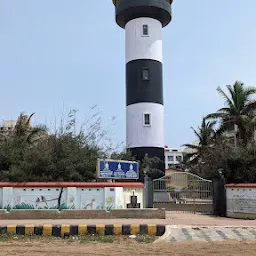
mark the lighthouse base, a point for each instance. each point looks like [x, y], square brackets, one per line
[140, 152]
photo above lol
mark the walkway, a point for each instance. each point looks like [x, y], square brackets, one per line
[208, 234]
[173, 219]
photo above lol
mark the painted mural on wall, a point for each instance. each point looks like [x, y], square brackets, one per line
[40, 203]
[114, 198]
[107, 198]
[91, 204]
[36, 198]
[120, 203]
[109, 203]
[90, 199]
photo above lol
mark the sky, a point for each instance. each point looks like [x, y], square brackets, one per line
[60, 55]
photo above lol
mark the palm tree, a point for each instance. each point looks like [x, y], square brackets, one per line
[238, 114]
[24, 130]
[206, 136]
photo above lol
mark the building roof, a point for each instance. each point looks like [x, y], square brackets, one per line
[72, 184]
[242, 185]
[115, 2]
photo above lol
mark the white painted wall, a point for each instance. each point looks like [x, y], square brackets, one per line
[114, 198]
[144, 136]
[143, 47]
[7, 198]
[72, 198]
[1, 197]
[241, 200]
[119, 198]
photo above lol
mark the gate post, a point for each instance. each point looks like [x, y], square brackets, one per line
[219, 196]
[148, 192]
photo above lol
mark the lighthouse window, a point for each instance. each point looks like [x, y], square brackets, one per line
[145, 30]
[145, 74]
[146, 121]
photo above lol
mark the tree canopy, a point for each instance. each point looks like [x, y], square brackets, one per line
[31, 153]
[226, 138]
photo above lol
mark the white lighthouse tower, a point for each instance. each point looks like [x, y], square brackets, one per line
[143, 21]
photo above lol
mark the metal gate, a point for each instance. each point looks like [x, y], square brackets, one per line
[184, 192]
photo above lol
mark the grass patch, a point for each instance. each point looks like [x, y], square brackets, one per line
[7, 238]
[88, 238]
[83, 239]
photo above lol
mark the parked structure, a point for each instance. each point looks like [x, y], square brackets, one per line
[173, 157]
[7, 127]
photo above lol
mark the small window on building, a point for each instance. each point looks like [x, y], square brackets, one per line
[146, 121]
[145, 30]
[170, 158]
[179, 158]
[145, 74]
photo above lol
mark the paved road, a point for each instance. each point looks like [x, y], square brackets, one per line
[208, 234]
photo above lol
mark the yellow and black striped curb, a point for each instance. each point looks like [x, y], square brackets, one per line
[80, 230]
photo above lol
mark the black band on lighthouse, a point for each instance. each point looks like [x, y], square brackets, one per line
[127, 10]
[144, 81]
[140, 153]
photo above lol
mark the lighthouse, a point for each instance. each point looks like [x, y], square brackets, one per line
[143, 22]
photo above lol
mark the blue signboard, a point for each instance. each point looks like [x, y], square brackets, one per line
[114, 169]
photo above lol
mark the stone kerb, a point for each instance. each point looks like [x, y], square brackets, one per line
[84, 214]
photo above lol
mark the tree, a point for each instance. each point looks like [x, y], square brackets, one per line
[238, 164]
[205, 136]
[216, 147]
[25, 132]
[64, 155]
[238, 113]
[123, 155]
[14, 145]
[149, 167]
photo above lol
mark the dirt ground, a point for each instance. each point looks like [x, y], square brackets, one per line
[123, 248]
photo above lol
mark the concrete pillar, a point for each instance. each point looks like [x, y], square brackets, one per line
[148, 193]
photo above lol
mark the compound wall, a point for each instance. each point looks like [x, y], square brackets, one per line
[241, 201]
[87, 196]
